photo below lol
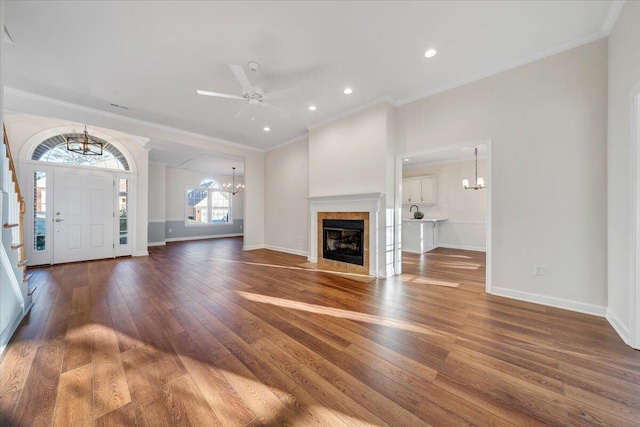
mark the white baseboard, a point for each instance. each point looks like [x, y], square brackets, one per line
[465, 248]
[253, 247]
[157, 244]
[580, 307]
[215, 236]
[12, 327]
[141, 253]
[287, 250]
[619, 327]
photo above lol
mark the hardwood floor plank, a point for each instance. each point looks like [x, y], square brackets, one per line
[123, 416]
[189, 406]
[38, 398]
[228, 406]
[111, 389]
[75, 400]
[125, 327]
[78, 348]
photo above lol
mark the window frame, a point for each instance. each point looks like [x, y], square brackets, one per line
[209, 189]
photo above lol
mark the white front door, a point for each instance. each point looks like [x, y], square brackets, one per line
[83, 214]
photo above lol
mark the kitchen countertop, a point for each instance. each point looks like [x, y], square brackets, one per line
[425, 219]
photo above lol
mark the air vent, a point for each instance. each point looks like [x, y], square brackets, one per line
[119, 106]
[7, 36]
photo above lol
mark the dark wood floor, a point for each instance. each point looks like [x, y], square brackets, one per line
[202, 333]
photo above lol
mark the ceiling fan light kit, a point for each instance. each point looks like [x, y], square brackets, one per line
[254, 95]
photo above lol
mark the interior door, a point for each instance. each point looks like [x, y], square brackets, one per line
[83, 214]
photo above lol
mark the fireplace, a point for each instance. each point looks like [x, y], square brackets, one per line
[343, 240]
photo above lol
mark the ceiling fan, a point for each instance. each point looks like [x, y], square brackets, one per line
[253, 94]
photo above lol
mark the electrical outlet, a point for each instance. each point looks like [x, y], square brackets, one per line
[538, 270]
[169, 230]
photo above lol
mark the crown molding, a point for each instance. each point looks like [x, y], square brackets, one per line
[28, 96]
[361, 107]
[291, 141]
[596, 35]
[612, 16]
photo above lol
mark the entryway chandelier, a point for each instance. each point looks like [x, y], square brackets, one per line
[233, 188]
[479, 182]
[84, 144]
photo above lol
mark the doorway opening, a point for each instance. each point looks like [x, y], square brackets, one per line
[451, 220]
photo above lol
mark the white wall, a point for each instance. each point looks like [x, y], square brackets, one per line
[157, 191]
[548, 124]
[286, 192]
[624, 76]
[466, 210]
[349, 156]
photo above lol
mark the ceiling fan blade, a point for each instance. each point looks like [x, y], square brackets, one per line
[276, 110]
[220, 95]
[238, 71]
[242, 110]
[282, 93]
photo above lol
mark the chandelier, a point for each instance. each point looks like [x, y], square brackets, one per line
[479, 182]
[84, 144]
[233, 188]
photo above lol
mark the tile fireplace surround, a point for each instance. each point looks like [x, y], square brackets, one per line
[364, 206]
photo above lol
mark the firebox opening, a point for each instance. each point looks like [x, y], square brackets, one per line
[343, 240]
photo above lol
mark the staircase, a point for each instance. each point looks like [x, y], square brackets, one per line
[15, 293]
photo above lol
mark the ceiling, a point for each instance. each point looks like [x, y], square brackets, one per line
[151, 56]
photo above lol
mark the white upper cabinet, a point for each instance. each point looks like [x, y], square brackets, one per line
[423, 190]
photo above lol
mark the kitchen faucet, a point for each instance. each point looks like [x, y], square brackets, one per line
[414, 206]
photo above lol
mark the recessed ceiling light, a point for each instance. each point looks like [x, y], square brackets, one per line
[312, 107]
[348, 91]
[430, 53]
[266, 128]
[406, 160]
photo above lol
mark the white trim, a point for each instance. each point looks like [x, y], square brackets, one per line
[612, 16]
[287, 250]
[580, 307]
[634, 249]
[141, 253]
[466, 222]
[291, 141]
[12, 327]
[252, 247]
[596, 35]
[9, 91]
[156, 244]
[618, 326]
[463, 247]
[157, 221]
[11, 274]
[361, 107]
[210, 236]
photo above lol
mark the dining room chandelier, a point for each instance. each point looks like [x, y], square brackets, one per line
[232, 187]
[84, 144]
[479, 182]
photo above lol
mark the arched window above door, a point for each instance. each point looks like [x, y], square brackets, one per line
[54, 150]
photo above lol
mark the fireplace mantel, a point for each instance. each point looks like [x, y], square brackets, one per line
[362, 202]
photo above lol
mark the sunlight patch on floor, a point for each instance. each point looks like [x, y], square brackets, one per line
[424, 280]
[341, 313]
